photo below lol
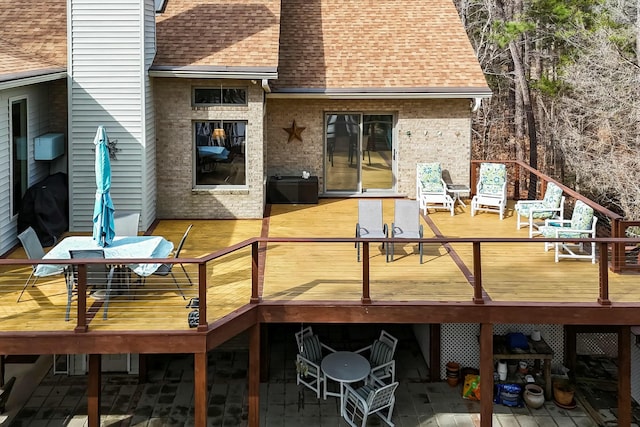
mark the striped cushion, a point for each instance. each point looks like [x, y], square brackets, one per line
[311, 348]
[380, 353]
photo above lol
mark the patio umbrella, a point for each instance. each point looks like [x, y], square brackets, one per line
[103, 223]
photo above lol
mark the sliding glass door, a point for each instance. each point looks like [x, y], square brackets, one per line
[359, 153]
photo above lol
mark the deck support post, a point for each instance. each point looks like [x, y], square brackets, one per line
[200, 389]
[254, 376]
[93, 390]
[486, 373]
[624, 376]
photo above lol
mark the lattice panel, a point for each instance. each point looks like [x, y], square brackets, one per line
[635, 369]
[459, 342]
[597, 344]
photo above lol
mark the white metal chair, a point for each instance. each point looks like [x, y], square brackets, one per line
[126, 223]
[431, 189]
[308, 359]
[360, 403]
[551, 206]
[491, 190]
[380, 355]
[99, 276]
[582, 225]
[406, 224]
[370, 224]
[167, 269]
[34, 250]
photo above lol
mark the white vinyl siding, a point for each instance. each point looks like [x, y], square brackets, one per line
[107, 67]
[37, 124]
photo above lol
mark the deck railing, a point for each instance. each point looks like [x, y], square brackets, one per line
[203, 275]
[620, 259]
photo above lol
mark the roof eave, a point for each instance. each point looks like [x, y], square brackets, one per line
[383, 93]
[207, 72]
[26, 78]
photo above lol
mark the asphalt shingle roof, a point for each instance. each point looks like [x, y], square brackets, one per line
[33, 37]
[215, 34]
[342, 44]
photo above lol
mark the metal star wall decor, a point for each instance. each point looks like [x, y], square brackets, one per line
[113, 150]
[295, 132]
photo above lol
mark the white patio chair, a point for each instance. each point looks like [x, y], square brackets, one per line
[406, 224]
[308, 359]
[370, 224]
[99, 276]
[582, 225]
[550, 207]
[491, 190]
[368, 400]
[380, 355]
[126, 223]
[431, 189]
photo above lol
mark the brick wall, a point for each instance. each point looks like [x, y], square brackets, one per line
[177, 197]
[425, 131]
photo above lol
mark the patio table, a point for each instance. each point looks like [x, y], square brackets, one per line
[122, 247]
[344, 367]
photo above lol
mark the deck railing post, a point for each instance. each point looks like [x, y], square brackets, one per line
[617, 249]
[202, 297]
[366, 296]
[516, 190]
[255, 297]
[81, 323]
[477, 274]
[603, 266]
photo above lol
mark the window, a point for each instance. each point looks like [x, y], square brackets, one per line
[219, 96]
[220, 152]
[19, 153]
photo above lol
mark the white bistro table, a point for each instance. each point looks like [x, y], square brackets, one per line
[344, 367]
[121, 247]
[456, 190]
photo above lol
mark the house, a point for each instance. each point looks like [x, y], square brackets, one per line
[345, 78]
[204, 101]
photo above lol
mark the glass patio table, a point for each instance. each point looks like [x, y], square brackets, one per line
[122, 247]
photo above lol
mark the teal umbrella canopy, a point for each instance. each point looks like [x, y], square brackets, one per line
[103, 223]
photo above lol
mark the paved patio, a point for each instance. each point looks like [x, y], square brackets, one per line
[167, 399]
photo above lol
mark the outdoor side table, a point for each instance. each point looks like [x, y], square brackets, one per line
[456, 190]
[344, 367]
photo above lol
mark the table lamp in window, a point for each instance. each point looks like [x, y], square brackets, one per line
[219, 136]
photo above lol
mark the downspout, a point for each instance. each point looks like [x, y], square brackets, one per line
[265, 86]
[476, 104]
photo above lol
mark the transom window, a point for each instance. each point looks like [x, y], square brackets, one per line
[219, 152]
[219, 96]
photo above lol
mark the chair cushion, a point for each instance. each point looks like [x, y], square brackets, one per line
[380, 353]
[366, 392]
[553, 196]
[430, 176]
[582, 216]
[311, 348]
[524, 209]
[492, 178]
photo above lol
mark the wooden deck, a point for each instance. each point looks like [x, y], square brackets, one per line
[306, 273]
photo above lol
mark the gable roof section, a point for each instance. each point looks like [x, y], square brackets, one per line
[33, 40]
[371, 48]
[213, 38]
